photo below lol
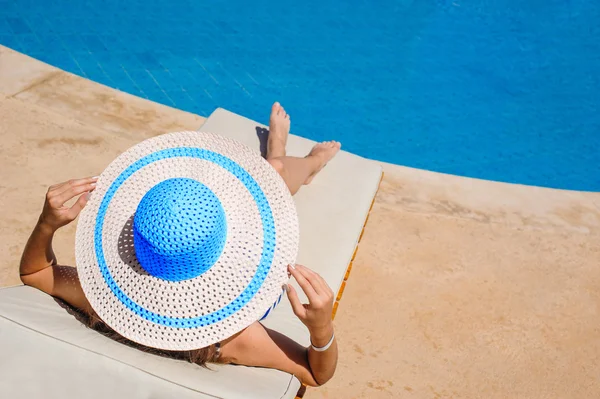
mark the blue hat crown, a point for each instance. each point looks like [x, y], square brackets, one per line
[179, 229]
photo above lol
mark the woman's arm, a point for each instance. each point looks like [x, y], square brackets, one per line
[38, 253]
[262, 347]
[39, 267]
[254, 346]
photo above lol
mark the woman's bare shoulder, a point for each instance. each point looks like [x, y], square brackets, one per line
[259, 346]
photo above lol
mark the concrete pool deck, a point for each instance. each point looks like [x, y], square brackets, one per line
[461, 288]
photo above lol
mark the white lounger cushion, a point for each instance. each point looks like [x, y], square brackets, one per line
[39, 338]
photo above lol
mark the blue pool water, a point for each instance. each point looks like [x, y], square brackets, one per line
[505, 90]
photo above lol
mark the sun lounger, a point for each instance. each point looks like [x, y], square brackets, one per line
[47, 352]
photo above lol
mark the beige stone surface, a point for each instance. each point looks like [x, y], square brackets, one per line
[445, 301]
[492, 202]
[461, 288]
[55, 126]
[19, 72]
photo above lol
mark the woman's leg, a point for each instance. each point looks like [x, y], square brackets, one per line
[294, 171]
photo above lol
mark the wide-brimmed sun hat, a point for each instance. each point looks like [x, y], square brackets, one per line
[186, 240]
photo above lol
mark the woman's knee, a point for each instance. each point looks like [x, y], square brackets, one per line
[277, 164]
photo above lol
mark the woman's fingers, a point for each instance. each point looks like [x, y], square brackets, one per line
[73, 188]
[66, 186]
[78, 206]
[58, 186]
[316, 281]
[61, 187]
[297, 306]
[306, 286]
[72, 192]
[318, 312]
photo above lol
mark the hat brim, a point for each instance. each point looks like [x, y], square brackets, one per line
[262, 239]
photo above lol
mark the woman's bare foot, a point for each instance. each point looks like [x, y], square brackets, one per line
[279, 129]
[323, 152]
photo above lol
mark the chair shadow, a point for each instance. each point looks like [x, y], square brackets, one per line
[263, 138]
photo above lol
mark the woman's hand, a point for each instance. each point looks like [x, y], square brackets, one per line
[316, 315]
[259, 346]
[55, 214]
[39, 267]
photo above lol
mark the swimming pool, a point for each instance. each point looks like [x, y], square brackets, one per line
[504, 90]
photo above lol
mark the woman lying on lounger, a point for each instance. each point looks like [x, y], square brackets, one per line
[108, 285]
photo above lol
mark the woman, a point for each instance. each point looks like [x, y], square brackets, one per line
[253, 346]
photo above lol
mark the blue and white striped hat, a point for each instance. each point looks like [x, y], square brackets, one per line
[186, 240]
